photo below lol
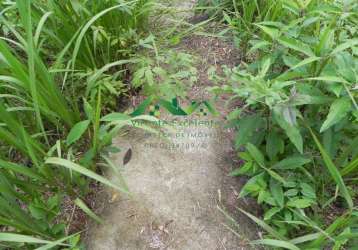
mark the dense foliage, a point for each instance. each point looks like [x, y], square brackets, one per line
[54, 59]
[65, 66]
[299, 119]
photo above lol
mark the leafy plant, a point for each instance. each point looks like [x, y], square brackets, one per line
[337, 234]
[168, 75]
[298, 123]
[48, 115]
[62, 24]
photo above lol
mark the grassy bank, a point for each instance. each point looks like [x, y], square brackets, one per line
[297, 130]
[57, 62]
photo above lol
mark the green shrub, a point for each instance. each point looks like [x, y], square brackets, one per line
[113, 34]
[299, 120]
[51, 108]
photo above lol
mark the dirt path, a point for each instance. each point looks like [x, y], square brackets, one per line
[178, 184]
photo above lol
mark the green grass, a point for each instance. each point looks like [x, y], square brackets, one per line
[299, 78]
[99, 42]
[64, 65]
[46, 114]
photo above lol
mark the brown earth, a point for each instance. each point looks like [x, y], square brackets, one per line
[181, 195]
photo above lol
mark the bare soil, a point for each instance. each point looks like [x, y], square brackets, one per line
[181, 195]
[176, 194]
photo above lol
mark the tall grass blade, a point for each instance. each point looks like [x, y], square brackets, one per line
[25, 171]
[334, 172]
[262, 224]
[88, 211]
[75, 167]
[10, 237]
[40, 26]
[57, 242]
[88, 25]
[275, 243]
[339, 223]
[25, 14]
[305, 238]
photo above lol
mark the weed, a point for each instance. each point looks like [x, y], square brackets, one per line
[49, 110]
[299, 143]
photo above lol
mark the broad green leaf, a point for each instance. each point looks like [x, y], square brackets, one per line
[251, 185]
[268, 199]
[37, 212]
[291, 162]
[272, 32]
[291, 60]
[274, 144]
[303, 99]
[291, 192]
[276, 243]
[296, 45]
[305, 62]
[149, 77]
[290, 184]
[271, 212]
[77, 131]
[308, 191]
[277, 192]
[75, 167]
[263, 195]
[256, 154]
[292, 132]
[258, 45]
[247, 126]
[338, 110]
[349, 44]
[275, 175]
[299, 203]
[242, 170]
[344, 62]
[334, 172]
[266, 64]
[245, 155]
[326, 40]
[290, 114]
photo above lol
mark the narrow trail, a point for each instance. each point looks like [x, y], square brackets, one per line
[178, 192]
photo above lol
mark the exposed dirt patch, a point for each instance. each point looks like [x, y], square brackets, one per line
[179, 183]
[176, 193]
[210, 52]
